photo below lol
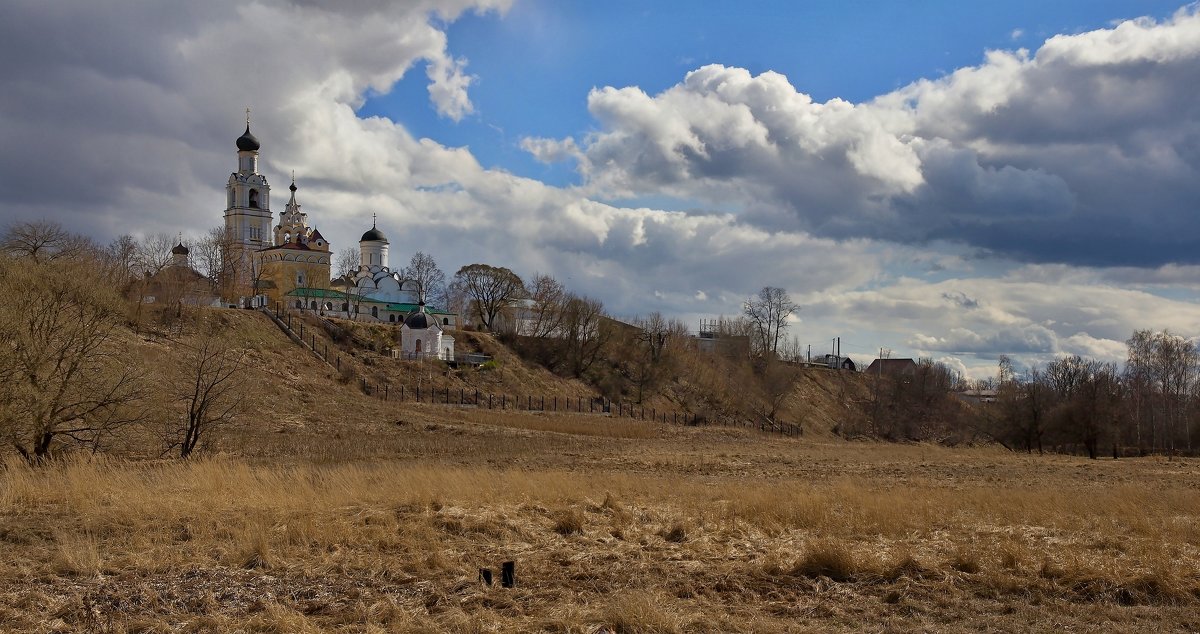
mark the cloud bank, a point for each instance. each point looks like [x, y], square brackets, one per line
[1037, 203]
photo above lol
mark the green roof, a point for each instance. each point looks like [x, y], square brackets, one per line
[324, 293]
[316, 292]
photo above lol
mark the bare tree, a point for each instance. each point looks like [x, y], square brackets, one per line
[43, 241]
[64, 375]
[209, 383]
[120, 259]
[778, 381]
[154, 253]
[490, 290]
[425, 272]
[547, 298]
[583, 333]
[347, 262]
[769, 312]
[208, 254]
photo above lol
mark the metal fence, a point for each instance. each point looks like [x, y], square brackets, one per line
[601, 407]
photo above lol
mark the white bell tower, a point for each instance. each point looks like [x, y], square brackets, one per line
[248, 217]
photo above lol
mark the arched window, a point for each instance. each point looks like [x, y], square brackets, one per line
[447, 357]
[445, 321]
[345, 307]
[391, 318]
[417, 346]
[375, 311]
[327, 306]
[299, 303]
[254, 198]
[231, 197]
[313, 304]
[300, 278]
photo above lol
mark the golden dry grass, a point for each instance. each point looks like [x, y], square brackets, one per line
[227, 544]
[328, 510]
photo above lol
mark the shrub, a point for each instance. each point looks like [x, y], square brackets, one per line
[827, 558]
[568, 522]
[676, 534]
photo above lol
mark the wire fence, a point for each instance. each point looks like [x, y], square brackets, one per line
[554, 404]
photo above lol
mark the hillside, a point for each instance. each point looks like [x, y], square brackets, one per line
[309, 405]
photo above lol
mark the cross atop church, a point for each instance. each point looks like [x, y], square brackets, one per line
[247, 116]
[372, 220]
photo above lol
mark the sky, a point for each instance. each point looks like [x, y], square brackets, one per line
[953, 180]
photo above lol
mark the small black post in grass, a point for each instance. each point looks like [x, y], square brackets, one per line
[462, 393]
[401, 392]
[489, 401]
[339, 363]
[555, 403]
[485, 575]
[385, 391]
[508, 574]
[503, 401]
[476, 398]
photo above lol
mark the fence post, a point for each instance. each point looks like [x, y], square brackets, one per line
[401, 392]
[555, 403]
[543, 404]
[489, 401]
[503, 400]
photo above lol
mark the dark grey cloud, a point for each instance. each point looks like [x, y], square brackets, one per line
[1085, 152]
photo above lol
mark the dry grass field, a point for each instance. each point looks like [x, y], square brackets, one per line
[327, 510]
[614, 527]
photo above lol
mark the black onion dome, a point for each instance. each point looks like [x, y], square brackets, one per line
[247, 142]
[179, 249]
[373, 234]
[417, 320]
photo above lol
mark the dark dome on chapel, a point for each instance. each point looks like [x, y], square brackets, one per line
[373, 234]
[247, 142]
[179, 249]
[417, 320]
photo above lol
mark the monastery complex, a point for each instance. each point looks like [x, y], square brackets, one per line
[288, 264]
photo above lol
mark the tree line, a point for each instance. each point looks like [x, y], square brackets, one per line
[1151, 405]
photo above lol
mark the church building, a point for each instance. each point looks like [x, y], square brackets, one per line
[289, 264]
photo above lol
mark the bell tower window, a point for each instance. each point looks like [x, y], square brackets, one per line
[254, 199]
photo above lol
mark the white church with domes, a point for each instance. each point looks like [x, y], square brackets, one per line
[289, 264]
